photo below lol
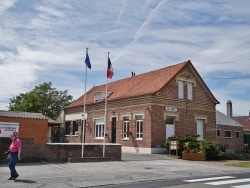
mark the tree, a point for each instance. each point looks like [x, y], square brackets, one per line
[42, 99]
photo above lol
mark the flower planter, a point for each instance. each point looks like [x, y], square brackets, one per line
[194, 156]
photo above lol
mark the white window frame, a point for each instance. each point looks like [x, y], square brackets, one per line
[200, 127]
[180, 89]
[125, 127]
[99, 128]
[139, 127]
[190, 91]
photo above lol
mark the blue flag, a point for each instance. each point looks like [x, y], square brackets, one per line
[87, 61]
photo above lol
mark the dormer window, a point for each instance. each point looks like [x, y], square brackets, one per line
[100, 95]
[97, 96]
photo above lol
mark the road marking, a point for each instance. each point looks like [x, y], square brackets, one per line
[229, 181]
[208, 179]
[241, 186]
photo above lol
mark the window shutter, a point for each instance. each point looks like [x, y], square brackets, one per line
[190, 91]
[180, 89]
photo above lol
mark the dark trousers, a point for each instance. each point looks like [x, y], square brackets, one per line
[12, 164]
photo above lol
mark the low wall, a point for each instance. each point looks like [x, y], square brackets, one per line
[60, 151]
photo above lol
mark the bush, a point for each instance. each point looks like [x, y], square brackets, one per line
[232, 156]
[211, 151]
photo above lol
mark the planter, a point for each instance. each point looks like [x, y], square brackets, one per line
[194, 156]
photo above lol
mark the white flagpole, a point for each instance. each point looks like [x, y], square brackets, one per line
[105, 114]
[84, 108]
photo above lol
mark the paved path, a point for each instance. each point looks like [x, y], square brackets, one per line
[133, 168]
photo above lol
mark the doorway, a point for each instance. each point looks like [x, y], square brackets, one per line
[113, 138]
[170, 126]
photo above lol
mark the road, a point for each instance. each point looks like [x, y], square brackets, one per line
[226, 181]
[134, 170]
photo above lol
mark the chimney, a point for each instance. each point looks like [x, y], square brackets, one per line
[133, 74]
[229, 109]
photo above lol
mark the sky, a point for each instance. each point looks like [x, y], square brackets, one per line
[46, 40]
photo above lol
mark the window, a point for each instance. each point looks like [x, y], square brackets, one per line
[218, 133]
[237, 134]
[170, 120]
[227, 134]
[139, 126]
[99, 128]
[200, 129]
[67, 128]
[181, 89]
[125, 127]
[190, 91]
[75, 127]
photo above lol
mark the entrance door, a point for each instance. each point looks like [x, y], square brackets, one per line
[113, 139]
[169, 130]
[200, 129]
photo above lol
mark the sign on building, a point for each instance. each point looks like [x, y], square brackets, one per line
[7, 128]
[171, 109]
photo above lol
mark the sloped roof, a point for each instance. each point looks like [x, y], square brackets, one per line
[146, 83]
[27, 115]
[244, 120]
[222, 119]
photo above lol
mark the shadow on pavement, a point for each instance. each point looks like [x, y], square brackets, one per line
[146, 157]
[25, 181]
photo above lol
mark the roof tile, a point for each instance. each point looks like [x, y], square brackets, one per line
[142, 84]
[28, 115]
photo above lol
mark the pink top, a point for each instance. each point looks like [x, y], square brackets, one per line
[15, 145]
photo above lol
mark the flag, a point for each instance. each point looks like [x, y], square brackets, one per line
[87, 61]
[110, 71]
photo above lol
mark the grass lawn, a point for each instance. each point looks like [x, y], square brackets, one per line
[240, 164]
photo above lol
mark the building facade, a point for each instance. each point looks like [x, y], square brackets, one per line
[229, 133]
[144, 110]
[31, 125]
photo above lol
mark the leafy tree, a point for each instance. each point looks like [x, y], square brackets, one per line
[42, 99]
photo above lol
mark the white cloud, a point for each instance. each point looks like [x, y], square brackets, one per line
[6, 4]
[47, 42]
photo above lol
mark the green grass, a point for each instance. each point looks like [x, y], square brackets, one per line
[240, 164]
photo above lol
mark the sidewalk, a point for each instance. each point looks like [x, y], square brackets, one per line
[133, 168]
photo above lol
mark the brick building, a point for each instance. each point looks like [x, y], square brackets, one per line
[144, 110]
[229, 133]
[31, 125]
[245, 121]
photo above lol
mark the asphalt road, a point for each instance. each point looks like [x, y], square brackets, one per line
[134, 170]
[241, 180]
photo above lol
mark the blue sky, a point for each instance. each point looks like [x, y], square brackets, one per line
[46, 40]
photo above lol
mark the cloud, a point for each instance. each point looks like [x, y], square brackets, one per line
[6, 4]
[46, 40]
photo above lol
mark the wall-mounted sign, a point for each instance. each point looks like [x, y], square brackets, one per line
[7, 128]
[171, 109]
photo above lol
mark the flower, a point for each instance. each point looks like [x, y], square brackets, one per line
[77, 133]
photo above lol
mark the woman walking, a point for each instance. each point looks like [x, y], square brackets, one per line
[14, 155]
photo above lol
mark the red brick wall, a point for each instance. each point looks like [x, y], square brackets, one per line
[154, 124]
[30, 128]
[233, 143]
[58, 152]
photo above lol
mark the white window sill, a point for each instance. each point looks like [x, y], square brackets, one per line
[101, 138]
[138, 139]
[125, 139]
